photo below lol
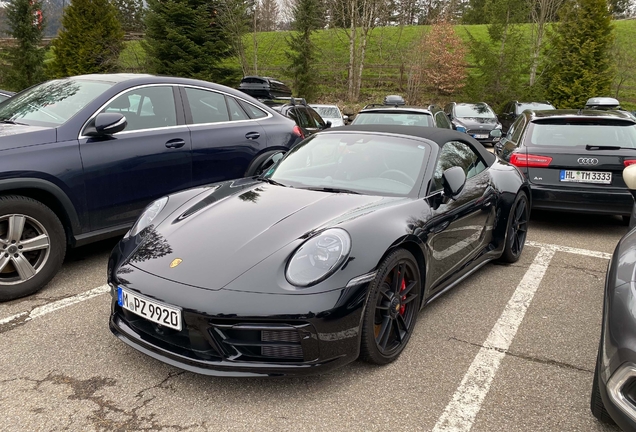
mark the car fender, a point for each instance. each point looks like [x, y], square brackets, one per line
[65, 209]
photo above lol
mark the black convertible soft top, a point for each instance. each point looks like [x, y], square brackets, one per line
[439, 136]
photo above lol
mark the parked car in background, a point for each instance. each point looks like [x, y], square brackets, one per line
[328, 257]
[476, 119]
[513, 109]
[330, 113]
[5, 94]
[574, 159]
[613, 398]
[264, 87]
[431, 116]
[81, 157]
[307, 119]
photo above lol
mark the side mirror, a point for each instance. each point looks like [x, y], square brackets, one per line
[629, 176]
[269, 163]
[453, 181]
[327, 124]
[106, 124]
[345, 118]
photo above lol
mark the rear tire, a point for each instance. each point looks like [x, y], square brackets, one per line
[32, 246]
[261, 164]
[596, 402]
[516, 229]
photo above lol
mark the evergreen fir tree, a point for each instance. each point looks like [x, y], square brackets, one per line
[130, 14]
[26, 58]
[91, 40]
[579, 65]
[184, 38]
[301, 48]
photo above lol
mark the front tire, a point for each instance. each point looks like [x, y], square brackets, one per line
[32, 246]
[517, 229]
[392, 308]
[596, 402]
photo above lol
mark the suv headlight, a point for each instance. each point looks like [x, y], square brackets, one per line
[318, 258]
[148, 215]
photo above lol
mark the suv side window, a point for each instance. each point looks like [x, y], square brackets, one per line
[236, 112]
[303, 118]
[442, 120]
[516, 129]
[455, 153]
[146, 108]
[206, 106]
[252, 111]
[320, 123]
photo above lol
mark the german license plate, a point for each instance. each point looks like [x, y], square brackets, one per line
[480, 136]
[158, 313]
[586, 176]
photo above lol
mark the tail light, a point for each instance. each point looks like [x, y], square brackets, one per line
[298, 132]
[523, 160]
[628, 162]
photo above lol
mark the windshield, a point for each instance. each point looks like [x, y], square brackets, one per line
[474, 111]
[328, 112]
[408, 119]
[582, 134]
[534, 106]
[363, 163]
[51, 103]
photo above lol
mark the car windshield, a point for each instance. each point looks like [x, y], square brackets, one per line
[521, 107]
[361, 163]
[394, 118]
[474, 111]
[620, 134]
[328, 112]
[51, 103]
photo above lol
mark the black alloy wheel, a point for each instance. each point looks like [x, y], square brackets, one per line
[392, 308]
[517, 229]
[32, 246]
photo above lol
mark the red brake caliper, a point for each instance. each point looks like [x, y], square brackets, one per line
[402, 288]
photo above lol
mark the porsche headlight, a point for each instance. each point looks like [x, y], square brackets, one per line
[318, 258]
[146, 218]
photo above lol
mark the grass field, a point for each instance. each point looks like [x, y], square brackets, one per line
[386, 63]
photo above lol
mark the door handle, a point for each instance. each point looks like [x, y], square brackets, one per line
[252, 135]
[175, 143]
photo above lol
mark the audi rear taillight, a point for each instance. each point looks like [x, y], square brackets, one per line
[628, 162]
[298, 132]
[523, 160]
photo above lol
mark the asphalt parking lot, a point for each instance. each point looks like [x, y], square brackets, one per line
[512, 348]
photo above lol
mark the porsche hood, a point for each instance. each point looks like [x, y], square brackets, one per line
[217, 237]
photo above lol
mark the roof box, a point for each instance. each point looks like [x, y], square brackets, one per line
[602, 103]
[264, 87]
[394, 100]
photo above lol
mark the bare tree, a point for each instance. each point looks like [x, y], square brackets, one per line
[234, 17]
[357, 18]
[268, 15]
[542, 12]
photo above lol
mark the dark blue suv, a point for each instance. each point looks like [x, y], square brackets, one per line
[81, 157]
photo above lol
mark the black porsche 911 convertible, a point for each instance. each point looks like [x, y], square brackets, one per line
[326, 257]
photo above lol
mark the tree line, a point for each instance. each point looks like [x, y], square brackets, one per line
[568, 54]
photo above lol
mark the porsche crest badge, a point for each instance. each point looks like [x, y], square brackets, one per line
[175, 262]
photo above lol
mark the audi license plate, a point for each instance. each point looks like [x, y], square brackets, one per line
[586, 177]
[158, 313]
[480, 136]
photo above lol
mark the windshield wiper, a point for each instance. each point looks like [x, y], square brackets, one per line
[332, 190]
[597, 147]
[7, 121]
[270, 181]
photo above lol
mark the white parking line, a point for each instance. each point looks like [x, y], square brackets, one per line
[39, 311]
[572, 250]
[460, 413]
